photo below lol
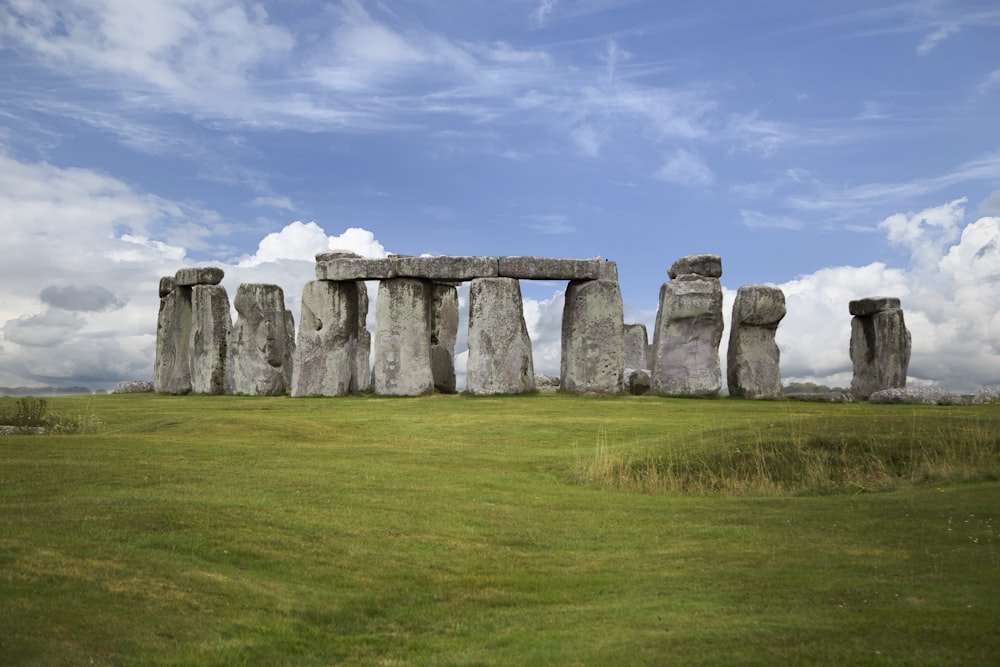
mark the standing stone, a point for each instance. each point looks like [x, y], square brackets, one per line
[593, 337]
[402, 354]
[689, 329]
[753, 358]
[499, 348]
[880, 346]
[362, 356]
[172, 368]
[259, 354]
[327, 347]
[444, 332]
[636, 346]
[209, 338]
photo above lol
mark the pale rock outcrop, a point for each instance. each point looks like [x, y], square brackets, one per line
[636, 346]
[326, 353]
[260, 342]
[500, 359]
[880, 346]
[688, 330]
[402, 350]
[444, 332]
[210, 325]
[753, 357]
[593, 338]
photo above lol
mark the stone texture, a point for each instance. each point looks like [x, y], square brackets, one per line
[341, 269]
[327, 344]
[593, 338]
[259, 358]
[447, 268]
[172, 368]
[402, 350]
[753, 357]
[880, 350]
[708, 266]
[915, 396]
[636, 346]
[546, 382]
[499, 348]
[210, 325]
[638, 382]
[133, 387]
[688, 330]
[444, 332]
[544, 268]
[872, 305]
[207, 275]
[362, 356]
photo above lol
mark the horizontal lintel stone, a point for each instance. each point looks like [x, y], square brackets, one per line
[458, 268]
[207, 275]
[544, 268]
[872, 305]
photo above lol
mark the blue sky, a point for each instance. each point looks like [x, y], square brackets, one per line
[837, 150]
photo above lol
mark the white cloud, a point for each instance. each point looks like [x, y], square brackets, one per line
[758, 220]
[932, 40]
[283, 203]
[540, 14]
[926, 233]
[991, 81]
[686, 169]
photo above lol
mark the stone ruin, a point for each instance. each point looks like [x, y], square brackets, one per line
[880, 345]
[412, 352]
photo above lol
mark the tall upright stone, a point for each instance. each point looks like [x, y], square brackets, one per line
[636, 346]
[753, 359]
[259, 357]
[593, 337]
[209, 338]
[500, 359]
[444, 332]
[402, 350]
[172, 368]
[328, 340]
[880, 346]
[689, 329]
[362, 355]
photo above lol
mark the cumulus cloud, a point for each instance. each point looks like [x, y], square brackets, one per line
[302, 240]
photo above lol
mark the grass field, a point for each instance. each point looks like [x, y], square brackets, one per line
[535, 530]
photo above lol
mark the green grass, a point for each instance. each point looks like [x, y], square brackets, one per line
[450, 530]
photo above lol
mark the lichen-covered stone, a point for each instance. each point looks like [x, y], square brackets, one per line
[546, 268]
[707, 266]
[872, 305]
[327, 344]
[685, 360]
[500, 359]
[880, 351]
[205, 275]
[753, 358]
[133, 387]
[259, 355]
[636, 346]
[172, 367]
[593, 338]
[402, 346]
[444, 332]
[210, 325]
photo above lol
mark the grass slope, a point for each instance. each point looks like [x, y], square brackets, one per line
[457, 530]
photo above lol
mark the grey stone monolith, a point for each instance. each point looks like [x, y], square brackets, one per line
[327, 344]
[636, 346]
[210, 325]
[363, 353]
[593, 338]
[880, 346]
[172, 368]
[259, 356]
[444, 332]
[499, 347]
[401, 364]
[688, 330]
[753, 359]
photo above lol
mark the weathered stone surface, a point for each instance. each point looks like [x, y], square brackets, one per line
[545, 268]
[328, 338]
[444, 332]
[207, 275]
[354, 268]
[259, 355]
[172, 368]
[880, 352]
[402, 351]
[499, 348]
[362, 357]
[753, 358]
[636, 346]
[210, 325]
[708, 266]
[593, 337]
[546, 382]
[447, 268]
[133, 387]
[872, 305]
[915, 396]
[688, 330]
[638, 382]
[167, 285]
[327, 255]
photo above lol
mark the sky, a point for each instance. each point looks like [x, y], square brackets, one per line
[837, 150]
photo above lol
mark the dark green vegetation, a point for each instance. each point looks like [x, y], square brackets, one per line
[529, 530]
